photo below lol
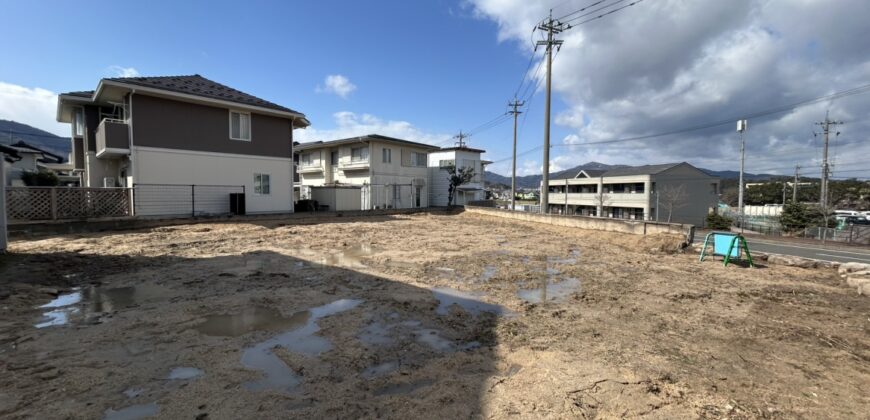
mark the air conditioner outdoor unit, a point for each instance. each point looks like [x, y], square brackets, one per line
[109, 182]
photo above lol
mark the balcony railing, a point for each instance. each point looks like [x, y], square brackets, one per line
[352, 165]
[309, 168]
[593, 198]
[112, 138]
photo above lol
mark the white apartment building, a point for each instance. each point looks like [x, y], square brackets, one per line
[459, 156]
[364, 173]
[650, 192]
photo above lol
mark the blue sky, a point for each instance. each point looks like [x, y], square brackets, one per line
[423, 70]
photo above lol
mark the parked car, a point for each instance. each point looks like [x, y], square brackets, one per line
[855, 220]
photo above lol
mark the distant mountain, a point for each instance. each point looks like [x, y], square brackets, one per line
[533, 181]
[13, 132]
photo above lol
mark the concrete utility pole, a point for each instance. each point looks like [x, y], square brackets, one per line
[515, 104]
[460, 138]
[3, 239]
[826, 170]
[552, 28]
[797, 169]
[741, 128]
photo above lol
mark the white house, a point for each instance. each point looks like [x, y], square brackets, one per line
[459, 156]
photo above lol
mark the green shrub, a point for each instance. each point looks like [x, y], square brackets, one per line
[40, 179]
[718, 222]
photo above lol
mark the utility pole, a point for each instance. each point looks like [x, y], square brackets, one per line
[794, 187]
[515, 104]
[461, 138]
[741, 128]
[826, 170]
[552, 27]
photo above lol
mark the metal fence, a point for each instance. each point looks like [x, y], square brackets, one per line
[64, 203]
[851, 234]
[188, 200]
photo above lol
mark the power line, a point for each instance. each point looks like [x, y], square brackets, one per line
[604, 14]
[591, 12]
[562, 18]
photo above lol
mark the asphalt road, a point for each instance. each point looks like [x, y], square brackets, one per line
[814, 251]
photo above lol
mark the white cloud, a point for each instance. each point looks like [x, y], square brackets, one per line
[36, 107]
[350, 124]
[337, 84]
[670, 64]
[119, 71]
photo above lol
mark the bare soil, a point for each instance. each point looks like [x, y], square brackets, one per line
[338, 319]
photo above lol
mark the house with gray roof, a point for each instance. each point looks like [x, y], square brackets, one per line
[182, 130]
[675, 192]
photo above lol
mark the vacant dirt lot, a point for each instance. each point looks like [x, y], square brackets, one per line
[433, 316]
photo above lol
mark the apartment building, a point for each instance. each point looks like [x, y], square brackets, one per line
[459, 156]
[182, 130]
[678, 192]
[364, 173]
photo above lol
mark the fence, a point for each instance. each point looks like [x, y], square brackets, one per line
[63, 203]
[183, 200]
[851, 234]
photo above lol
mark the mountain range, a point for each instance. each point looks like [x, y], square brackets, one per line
[533, 181]
[13, 132]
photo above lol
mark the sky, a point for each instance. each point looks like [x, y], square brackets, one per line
[424, 70]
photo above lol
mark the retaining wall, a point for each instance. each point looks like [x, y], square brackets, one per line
[634, 227]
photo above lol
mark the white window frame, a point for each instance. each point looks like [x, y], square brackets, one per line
[386, 155]
[337, 157]
[303, 162]
[258, 184]
[419, 159]
[248, 114]
[79, 122]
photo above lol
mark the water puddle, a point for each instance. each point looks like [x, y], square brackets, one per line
[133, 412]
[181, 373]
[550, 292]
[249, 320]
[300, 340]
[133, 392]
[488, 272]
[469, 301]
[382, 369]
[89, 302]
[404, 389]
[378, 334]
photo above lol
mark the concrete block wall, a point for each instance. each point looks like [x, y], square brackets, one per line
[634, 227]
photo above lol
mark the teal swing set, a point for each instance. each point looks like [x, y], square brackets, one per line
[729, 245]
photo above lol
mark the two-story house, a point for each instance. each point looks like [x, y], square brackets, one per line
[182, 130]
[678, 191]
[363, 173]
[459, 156]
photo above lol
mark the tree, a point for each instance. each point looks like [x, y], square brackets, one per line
[796, 216]
[40, 179]
[718, 221]
[456, 177]
[672, 198]
[601, 200]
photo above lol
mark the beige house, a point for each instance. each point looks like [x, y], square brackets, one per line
[363, 173]
[678, 192]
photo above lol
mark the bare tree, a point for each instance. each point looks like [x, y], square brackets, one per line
[601, 200]
[456, 177]
[673, 198]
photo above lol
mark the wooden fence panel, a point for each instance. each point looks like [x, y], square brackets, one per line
[64, 203]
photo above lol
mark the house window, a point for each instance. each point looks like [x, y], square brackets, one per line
[387, 155]
[333, 158]
[240, 126]
[305, 159]
[79, 123]
[261, 184]
[418, 159]
[446, 162]
[359, 154]
[397, 192]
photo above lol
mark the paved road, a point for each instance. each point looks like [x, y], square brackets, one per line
[818, 252]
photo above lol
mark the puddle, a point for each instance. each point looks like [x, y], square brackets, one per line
[133, 392]
[382, 369]
[300, 340]
[550, 292]
[488, 273]
[468, 301]
[249, 320]
[349, 257]
[185, 373]
[378, 334]
[92, 301]
[403, 389]
[133, 412]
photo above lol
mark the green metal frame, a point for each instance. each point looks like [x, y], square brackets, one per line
[730, 248]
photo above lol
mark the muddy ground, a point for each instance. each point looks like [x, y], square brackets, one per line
[418, 316]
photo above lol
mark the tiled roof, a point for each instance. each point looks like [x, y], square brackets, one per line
[87, 94]
[369, 137]
[200, 86]
[620, 171]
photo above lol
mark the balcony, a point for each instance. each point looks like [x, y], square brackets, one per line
[591, 199]
[309, 168]
[354, 165]
[112, 138]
